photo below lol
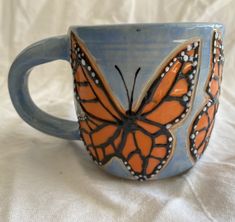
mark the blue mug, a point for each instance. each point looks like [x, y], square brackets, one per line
[146, 95]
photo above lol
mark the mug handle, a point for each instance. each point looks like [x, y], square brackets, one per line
[39, 53]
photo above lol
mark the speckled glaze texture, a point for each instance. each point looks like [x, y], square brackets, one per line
[145, 94]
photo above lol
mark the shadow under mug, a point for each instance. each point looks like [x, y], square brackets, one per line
[146, 95]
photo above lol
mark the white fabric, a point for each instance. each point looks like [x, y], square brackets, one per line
[43, 178]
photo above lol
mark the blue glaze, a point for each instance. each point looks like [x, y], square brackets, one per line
[145, 46]
[116, 167]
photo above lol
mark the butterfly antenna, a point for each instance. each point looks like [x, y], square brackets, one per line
[123, 80]
[133, 88]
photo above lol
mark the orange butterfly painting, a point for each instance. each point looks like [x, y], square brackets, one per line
[141, 134]
[203, 124]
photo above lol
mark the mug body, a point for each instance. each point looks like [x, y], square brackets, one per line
[146, 95]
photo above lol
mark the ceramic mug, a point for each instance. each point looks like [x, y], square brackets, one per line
[146, 95]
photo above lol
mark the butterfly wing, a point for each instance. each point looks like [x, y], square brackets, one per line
[203, 123]
[169, 94]
[165, 102]
[99, 126]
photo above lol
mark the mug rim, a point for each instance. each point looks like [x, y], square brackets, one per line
[167, 24]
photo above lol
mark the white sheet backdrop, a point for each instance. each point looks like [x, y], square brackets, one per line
[43, 178]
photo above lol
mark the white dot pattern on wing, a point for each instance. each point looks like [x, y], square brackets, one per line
[84, 62]
[184, 57]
